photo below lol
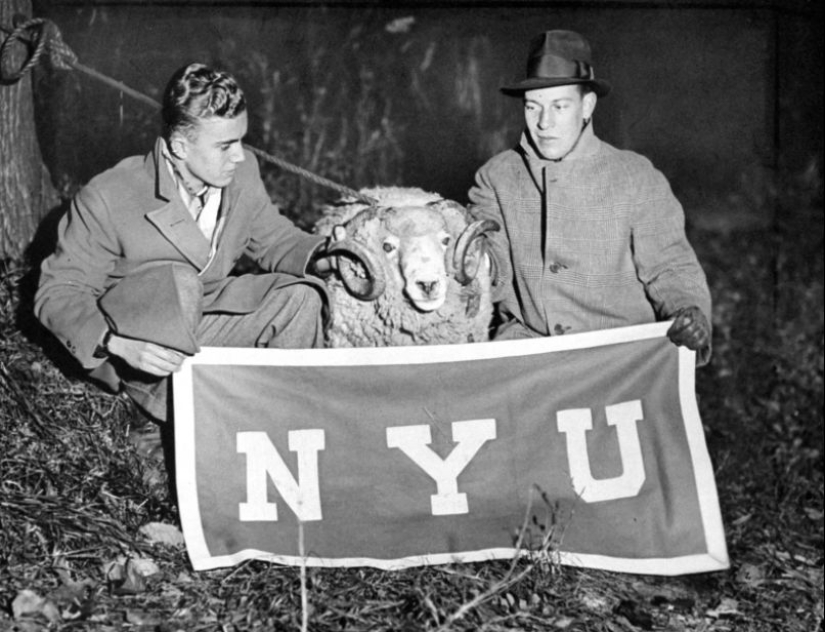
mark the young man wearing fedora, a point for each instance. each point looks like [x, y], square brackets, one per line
[141, 276]
[592, 236]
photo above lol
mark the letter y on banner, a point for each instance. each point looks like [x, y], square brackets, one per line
[414, 441]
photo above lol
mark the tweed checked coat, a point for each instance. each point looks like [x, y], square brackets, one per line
[594, 241]
[132, 216]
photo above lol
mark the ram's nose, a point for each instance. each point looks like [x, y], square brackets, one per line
[427, 287]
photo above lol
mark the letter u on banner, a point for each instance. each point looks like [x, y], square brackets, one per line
[576, 423]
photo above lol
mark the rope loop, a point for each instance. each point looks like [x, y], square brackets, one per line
[44, 35]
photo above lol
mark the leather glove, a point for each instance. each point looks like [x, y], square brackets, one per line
[691, 329]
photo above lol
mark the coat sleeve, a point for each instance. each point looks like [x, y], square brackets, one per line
[74, 276]
[484, 204]
[275, 243]
[665, 260]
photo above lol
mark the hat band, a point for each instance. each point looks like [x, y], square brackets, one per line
[552, 67]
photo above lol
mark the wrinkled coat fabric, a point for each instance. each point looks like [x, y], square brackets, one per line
[591, 242]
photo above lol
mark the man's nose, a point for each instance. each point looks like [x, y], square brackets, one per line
[237, 153]
[546, 119]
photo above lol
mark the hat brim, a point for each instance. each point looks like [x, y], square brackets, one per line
[599, 86]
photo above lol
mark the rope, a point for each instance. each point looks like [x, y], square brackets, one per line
[313, 177]
[48, 37]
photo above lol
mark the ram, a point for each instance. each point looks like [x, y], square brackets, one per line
[411, 270]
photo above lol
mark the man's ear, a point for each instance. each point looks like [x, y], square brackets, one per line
[589, 104]
[177, 146]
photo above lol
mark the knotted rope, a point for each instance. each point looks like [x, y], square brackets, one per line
[45, 36]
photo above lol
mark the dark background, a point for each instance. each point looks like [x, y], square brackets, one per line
[725, 97]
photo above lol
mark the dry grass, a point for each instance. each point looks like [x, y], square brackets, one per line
[73, 495]
[331, 110]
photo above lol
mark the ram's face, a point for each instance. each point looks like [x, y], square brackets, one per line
[415, 243]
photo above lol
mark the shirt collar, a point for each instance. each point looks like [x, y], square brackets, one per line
[185, 193]
[587, 146]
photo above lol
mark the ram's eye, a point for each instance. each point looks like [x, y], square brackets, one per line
[388, 247]
[445, 241]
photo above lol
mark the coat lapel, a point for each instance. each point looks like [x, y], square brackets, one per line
[172, 219]
[175, 223]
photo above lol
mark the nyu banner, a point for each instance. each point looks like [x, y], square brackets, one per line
[588, 447]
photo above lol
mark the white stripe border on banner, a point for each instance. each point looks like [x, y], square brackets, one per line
[715, 559]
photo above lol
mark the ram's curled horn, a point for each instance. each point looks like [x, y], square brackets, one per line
[364, 289]
[466, 264]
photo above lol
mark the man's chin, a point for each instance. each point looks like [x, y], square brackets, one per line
[222, 182]
[550, 153]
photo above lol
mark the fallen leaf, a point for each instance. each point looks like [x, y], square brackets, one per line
[596, 603]
[160, 533]
[127, 576]
[813, 513]
[726, 608]
[141, 618]
[28, 603]
[145, 566]
[751, 575]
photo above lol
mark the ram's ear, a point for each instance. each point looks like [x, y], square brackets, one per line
[339, 232]
[443, 204]
[455, 215]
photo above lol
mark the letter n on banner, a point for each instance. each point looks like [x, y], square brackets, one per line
[263, 462]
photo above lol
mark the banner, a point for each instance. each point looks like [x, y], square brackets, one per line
[585, 447]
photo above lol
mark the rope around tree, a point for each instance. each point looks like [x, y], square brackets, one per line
[45, 36]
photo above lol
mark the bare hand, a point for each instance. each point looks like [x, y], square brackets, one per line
[145, 356]
[690, 329]
[323, 265]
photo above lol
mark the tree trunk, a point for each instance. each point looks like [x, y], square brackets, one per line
[26, 191]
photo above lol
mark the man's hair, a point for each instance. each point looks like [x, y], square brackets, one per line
[585, 88]
[198, 92]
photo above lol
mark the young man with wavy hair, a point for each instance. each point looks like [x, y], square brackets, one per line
[141, 276]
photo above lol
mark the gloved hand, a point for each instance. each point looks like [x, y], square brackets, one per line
[691, 329]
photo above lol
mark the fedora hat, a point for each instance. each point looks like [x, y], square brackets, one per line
[558, 58]
[158, 302]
